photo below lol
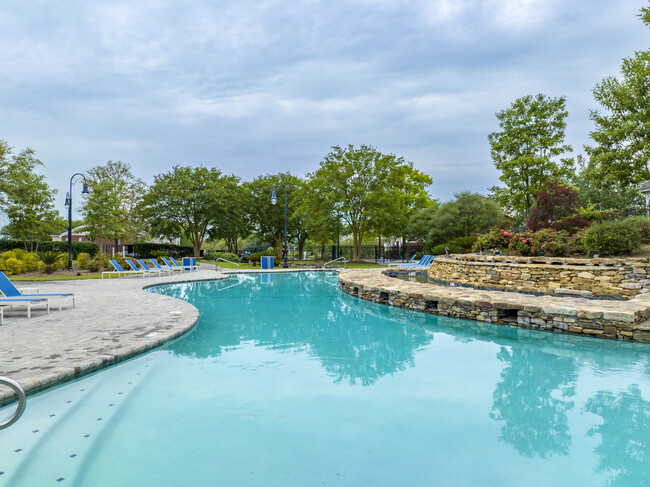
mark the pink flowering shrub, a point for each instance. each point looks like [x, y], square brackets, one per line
[548, 242]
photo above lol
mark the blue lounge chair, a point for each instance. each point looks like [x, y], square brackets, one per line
[10, 291]
[149, 269]
[164, 268]
[192, 267]
[418, 263]
[25, 302]
[118, 270]
[405, 263]
[135, 268]
[172, 265]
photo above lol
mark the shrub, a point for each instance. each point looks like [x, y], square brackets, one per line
[95, 265]
[52, 260]
[83, 260]
[495, 240]
[465, 243]
[144, 249]
[103, 260]
[613, 238]
[157, 254]
[257, 256]
[223, 255]
[442, 249]
[17, 261]
[642, 224]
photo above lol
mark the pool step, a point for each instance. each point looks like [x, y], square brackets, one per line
[55, 438]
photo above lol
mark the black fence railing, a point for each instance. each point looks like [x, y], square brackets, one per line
[372, 253]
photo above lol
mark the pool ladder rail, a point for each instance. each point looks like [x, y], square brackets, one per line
[220, 258]
[343, 259]
[22, 401]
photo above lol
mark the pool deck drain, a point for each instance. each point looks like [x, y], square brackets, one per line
[624, 320]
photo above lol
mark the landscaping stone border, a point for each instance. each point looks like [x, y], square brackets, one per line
[600, 278]
[624, 320]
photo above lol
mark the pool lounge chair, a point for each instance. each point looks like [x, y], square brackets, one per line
[24, 302]
[8, 289]
[421, 263]
[193, 267]
[403, 263]
[118, 270]
[171, 265]
[149, 269]
[161, 268]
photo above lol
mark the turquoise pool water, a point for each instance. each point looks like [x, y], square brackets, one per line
[286, 381]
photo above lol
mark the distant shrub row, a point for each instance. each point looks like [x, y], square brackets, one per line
[90, 248]
[146, 250]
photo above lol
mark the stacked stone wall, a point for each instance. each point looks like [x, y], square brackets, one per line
[600, 278]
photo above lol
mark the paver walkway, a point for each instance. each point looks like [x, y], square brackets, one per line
[113, 319]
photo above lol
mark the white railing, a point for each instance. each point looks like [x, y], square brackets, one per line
[336, 260]
[22, 400]
[220, 258]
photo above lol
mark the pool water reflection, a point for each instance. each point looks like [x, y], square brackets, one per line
[287, 381]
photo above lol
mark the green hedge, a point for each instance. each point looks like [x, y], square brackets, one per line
[77, 247]
[143, 250]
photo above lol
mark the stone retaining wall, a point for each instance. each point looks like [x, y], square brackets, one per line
[601, 278]
[625, 320]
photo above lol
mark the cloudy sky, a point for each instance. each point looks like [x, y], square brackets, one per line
[261, 86]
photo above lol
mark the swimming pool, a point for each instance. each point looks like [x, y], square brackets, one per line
[287, 381]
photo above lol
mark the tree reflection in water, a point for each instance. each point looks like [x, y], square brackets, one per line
[533, 400]
[355, 341]
[625, 433]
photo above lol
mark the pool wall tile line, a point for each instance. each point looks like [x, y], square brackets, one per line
[623, 320]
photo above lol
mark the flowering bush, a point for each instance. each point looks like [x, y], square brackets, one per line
[495, 240]
[548, 242]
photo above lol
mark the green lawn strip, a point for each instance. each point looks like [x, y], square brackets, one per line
[56, 278]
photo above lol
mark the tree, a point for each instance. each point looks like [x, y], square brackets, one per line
[367, 190]
[599, 194]
[557, 207]
[111, 210]
[188, 201]
[621, 156]
[238, 222]
[25, 197]
[532, 134]
[469, 214]
[266, 218]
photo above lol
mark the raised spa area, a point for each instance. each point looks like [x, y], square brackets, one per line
[363, 379]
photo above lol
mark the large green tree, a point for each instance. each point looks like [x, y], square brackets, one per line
[369, 191]
[267, 219]
[621, 154]
[190, 202]
[26, 198]
[525, 150]
[111, 210]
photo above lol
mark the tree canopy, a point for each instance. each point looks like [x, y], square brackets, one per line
[621, 154]
[531, 136]
[188, 201]
[111, 210]
[367, 190]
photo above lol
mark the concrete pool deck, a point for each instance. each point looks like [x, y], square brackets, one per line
[113, 319]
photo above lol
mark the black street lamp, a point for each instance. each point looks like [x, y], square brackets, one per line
[274, 200]
[68, 205]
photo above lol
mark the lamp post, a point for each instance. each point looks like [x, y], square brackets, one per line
[68, 205]
[274, 200]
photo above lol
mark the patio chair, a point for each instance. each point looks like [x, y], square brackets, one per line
[421, 262]
[25, 302]
[163, 268]
[118, 270]
[193, 267]
[149, 269]
[404, 263]
[10, 291]
[172, 265]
